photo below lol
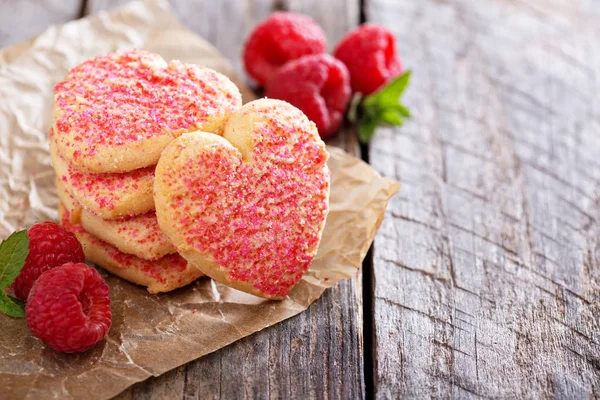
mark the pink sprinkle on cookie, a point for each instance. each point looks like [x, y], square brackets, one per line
[108, 195]
[163, 275]
[117, 112]
[248, 208]
[139, 235]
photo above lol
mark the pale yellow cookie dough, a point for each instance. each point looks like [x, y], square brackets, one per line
[247, 209]
[117, 112]
[139, 236]
[162, 275]
[110, 196]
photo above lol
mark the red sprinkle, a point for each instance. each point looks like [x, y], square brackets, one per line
[131, 97]
[166, 269]
[105, 190]
[109, 189]
[144, 231]
[261, 220]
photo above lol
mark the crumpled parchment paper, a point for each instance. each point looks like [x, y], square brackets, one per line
[151, 334]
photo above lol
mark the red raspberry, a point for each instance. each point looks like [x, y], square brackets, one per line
[282, 37]
[369, 52]
[50, 245]
[69, 308]
[319, 85]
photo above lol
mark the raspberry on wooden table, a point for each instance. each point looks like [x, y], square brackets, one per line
[319, 85]
[282, 37]
[369, 52]
[69, 308]
[50, 245]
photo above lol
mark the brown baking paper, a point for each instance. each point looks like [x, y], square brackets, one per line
[151, 334]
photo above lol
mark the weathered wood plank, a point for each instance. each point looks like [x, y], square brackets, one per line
[21, 20]
[487, 267]
[317, 354]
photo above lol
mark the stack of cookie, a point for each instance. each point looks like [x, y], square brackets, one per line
[113, 117]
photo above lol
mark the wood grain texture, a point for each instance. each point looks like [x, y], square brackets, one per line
[487, 267]
[23, 19]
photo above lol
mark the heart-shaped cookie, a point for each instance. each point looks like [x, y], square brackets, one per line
[117, 112]
[248, 208]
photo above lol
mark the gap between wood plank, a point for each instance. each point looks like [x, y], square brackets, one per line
[368, 288]
[82, 9]
[368, 293]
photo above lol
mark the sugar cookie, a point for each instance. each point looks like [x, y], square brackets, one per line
[117, 112]
[163, 275]
[69, 202]
[139, 235]
[248, 208]
[108, 195]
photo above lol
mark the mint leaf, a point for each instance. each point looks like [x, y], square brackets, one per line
[391, 116]
[11, 307]
[366, 129]
[381, 107]
[390, 93]
[13, 252]
[403, 110]
[18, 302]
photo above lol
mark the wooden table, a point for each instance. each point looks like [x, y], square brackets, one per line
[484, 280]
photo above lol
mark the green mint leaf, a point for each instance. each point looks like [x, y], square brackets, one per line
[13, 252]
[18, 302]
[371, 101]
[366, 129]
[403, 110]
[392, 117]
[390, 93]
[11, 307]
[394, 89]
[382, 107]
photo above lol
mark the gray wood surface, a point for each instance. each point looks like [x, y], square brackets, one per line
[487, 266]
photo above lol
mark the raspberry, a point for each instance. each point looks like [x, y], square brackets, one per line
[69, 308]
[282, 37]
[319, 85]
[369, 52]
[50, 245]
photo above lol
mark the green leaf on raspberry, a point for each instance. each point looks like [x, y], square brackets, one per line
[366, 129]
[405, 112]
[18, 302]
[13, 252]
[390, 93]
[11, 306]
[392, 117]
[382, 107]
